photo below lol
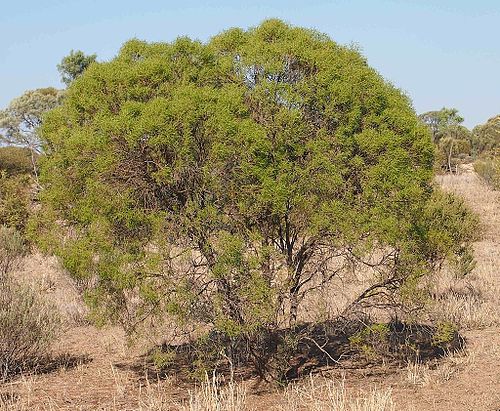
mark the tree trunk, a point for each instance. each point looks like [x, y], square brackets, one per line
[35, 168]
[450, 168]
[294, 306]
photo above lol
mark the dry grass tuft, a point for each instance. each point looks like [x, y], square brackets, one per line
[330, 395]
[418, 373]
[214, 396]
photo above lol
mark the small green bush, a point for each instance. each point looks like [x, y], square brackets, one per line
[489, 170]
[444, 334]
[371, 339]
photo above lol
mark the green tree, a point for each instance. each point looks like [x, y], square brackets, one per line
[442, 122]
[222, 182]
[452, 139]
[74, 64]
[21, 120]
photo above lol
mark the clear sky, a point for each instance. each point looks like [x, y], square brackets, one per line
[440, 52]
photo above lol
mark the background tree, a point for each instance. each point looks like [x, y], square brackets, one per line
[74, 64]
[486, 137]
[452, 139]
[220, 183]
[442, 122]
[21, 120]
[486, 146]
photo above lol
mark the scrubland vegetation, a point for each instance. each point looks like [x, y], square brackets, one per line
[259, 209]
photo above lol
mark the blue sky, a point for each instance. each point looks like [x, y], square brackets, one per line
[440, 52]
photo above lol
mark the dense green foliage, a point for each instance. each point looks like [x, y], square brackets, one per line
[74, 64]
[221, 182]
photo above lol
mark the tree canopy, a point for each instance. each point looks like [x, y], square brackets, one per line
[452, 139]
[74, 64]
[442, 122]
[222, 182]
[21, 119]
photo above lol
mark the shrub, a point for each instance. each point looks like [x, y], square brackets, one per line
[11, 248]
[217, 184]
[28, 324]
[15, 201]
[486, 137]
[489, 170]
[371, 339]
[15, 160]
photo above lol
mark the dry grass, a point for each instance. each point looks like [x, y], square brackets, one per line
[29, 325]
[10, 400]
[417, 373]
[470, 303]
[212, 396]
[332, 395]
[315, 394]
[45, 274]
[473, 302]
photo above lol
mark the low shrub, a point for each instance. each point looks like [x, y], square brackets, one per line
[15, 160]
[15, 200]
[28, 326]
[28, 323]
[11, 248]
[489, 170]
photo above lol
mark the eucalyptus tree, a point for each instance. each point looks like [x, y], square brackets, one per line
[21, 120]
[451, 138]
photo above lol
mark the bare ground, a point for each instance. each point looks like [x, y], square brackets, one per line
[98, 371]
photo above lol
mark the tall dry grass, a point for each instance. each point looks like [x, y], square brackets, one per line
[473, 302]
[46, 274]
[331, 395]
[28, 322]
[213, 396]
